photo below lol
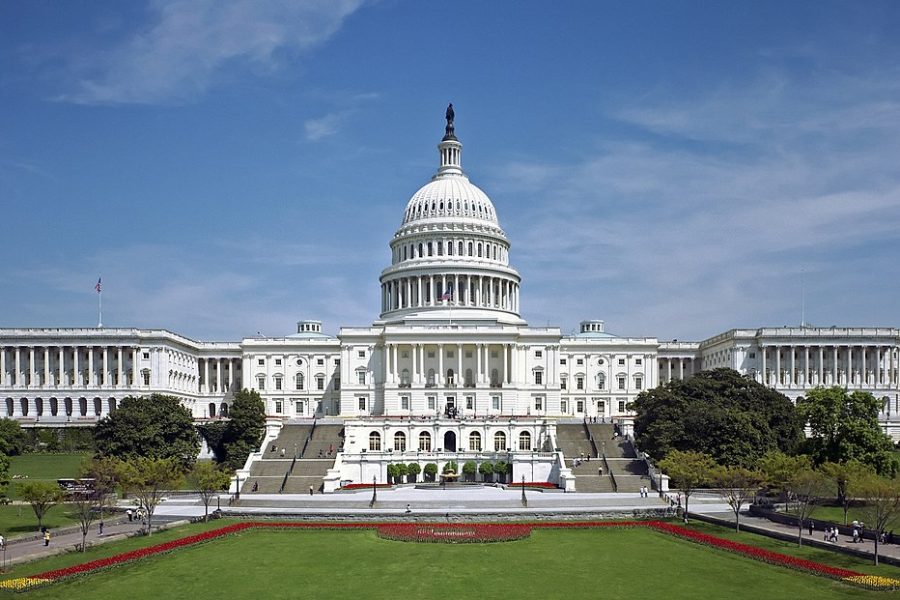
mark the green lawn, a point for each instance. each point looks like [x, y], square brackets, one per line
[835, 514]
[605, 563]
[46, 467]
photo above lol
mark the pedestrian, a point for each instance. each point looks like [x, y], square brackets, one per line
[600, 471]
[282, 453]
[101, 526]
[130, 515]
[827, 533]
[310, 490]
[811, 527]
[2, 542]
[47, 537]
[408, 509]
[855, 535]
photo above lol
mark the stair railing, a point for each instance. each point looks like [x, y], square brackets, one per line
[285, 480]
[612, 476]
[590, 438]
[308, 438]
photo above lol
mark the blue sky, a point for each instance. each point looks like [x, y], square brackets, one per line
[675, 168]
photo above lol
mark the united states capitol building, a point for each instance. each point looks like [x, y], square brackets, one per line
[448, 368]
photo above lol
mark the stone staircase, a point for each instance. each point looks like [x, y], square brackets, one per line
[630, 473]
[310, 469]
[315, 447]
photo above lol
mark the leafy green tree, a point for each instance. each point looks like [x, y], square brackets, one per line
[13, 439]
[83, 506]
[393, 472]
[844, 426]
[779, 468]
[244, 430]
[430, 471]
[150, 479]
[807, 487]
[737, 486]
[105, 473]
[469, 469]
[882, 503]
[208, 479]
[402, 472]
[721, 413]
[4, 478]
[688, 471]
[501, 468]
[845, 477]
[42, 496]
[413, 469]
[157, 426]
[487, 470]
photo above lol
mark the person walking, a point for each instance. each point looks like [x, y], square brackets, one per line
[811, 526]
[101, 526]
[310, 490]
[47, 537]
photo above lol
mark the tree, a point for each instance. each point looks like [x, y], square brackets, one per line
[208, 479]
[13, 439]
[486, 469]
[779, 468]
[413, 469]
[882, 503]
[84, 505]
[245, 429]
[402, 472]
[501, 468]
[688, 470]
[105, 475]
[807, 487]
[157, 427]
[430, 471]
[42, 496]
[721, 413]
[4, 478]
[469, 469]
[737, 485]
[844, 426]
[845, 477]
[149, 479]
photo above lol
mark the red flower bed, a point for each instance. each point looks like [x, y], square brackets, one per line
[546, 485]
[454, 533]
[471, 533]
[366, 486]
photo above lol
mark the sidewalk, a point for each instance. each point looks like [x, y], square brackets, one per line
[844, 543]
[26, 551]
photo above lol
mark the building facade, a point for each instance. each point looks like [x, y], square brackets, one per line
[449, 365]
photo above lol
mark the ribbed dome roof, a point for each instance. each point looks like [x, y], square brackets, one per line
[450, 196]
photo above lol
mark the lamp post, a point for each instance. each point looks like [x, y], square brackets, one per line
[237, 491]
[374, 491]
[524, 499]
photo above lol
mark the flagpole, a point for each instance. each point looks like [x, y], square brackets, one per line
[100, 308]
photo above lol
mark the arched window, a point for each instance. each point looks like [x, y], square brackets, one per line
[223, 410]
[375, 442]
[601, 381]
[425, 442]
[460, 248]
[479, 249]
[450, 380]
[499, 441]
[525, 441]
[470, 248]
[450, 248]
[430, 249]
[299, 381]
[400, 442]
[421, 250]
[475, 441]
[212, 410]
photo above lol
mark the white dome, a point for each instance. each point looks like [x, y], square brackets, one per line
[450, 197]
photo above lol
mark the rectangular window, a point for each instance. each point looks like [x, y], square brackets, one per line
[320, 361]
[337, 384]
[579, 383]
[564, 406]
[638, 383]
[638, 361]
[538, 377]
[468, 354]
[562, 361]
[361, 375]
[277, 362]
[298, 408]
[278, 383]
[320, 383]
[579, 406]
[539, 403]
[404, 354]
[495, 402]
[146, 377]
[146, 356]
[278, 407]
[579, 362]
[622, 382]
[362, 403]
[470, 403]
[261, 361]
[404, 402]
[621, 362]
[753, 355]
[621, 406]
[539, 354]
[431, 354]
[337, 362]
[361, 354]
[431, 402]
[562, 383]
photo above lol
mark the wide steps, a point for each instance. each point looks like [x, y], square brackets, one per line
[629, 483]
[626, 466]
[312, 467]
[300, 484]
[264, 485]
[573, 441]
[270, 468]
[290, 437]
[593, 484]
[606, 440]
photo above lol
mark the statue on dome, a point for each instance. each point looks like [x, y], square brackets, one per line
[448, 131]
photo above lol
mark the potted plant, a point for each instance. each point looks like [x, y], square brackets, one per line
[413, 470]
[469, 470]
[500, 468]
[487, 471]
[430, 472]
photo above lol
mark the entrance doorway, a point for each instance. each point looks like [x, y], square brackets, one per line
[449, 442]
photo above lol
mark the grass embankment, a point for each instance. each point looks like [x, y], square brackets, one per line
[552, 563]
[19, 519]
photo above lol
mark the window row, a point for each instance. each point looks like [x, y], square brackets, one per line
[475, 445]
[600, 381]
[450, 248]
[299, 382]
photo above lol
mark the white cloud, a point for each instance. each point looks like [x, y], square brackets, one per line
[325, 126]
[191, 41]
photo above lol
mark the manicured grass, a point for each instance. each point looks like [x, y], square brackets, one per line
[835, 514]
[46, 467]
[608, 563]
[19, 519]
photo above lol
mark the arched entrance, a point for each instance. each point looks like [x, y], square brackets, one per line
[450, 442]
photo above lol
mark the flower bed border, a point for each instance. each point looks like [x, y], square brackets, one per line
[845, 575]
[454, 533]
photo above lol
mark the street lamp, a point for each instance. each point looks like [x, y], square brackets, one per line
[374, 491]
[524, 499]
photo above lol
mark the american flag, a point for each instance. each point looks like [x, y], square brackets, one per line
[99, 286]
[448, 295]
